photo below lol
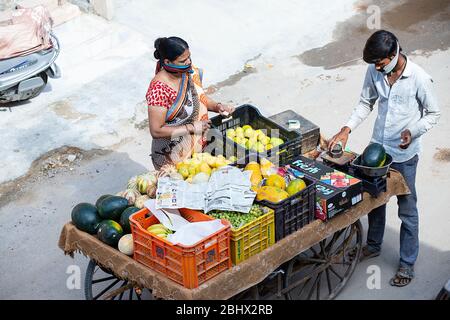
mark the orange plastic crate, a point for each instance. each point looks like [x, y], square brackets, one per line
[189, 266]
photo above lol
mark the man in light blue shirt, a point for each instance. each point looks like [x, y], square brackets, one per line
[407, 108]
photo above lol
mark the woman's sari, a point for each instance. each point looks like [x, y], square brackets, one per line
[177, 148]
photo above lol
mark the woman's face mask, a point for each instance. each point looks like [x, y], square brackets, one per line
[184, 66]
[176, 68]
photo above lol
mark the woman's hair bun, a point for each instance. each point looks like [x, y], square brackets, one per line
[157, 53]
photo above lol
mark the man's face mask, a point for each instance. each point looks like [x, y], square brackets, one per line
[391, 65]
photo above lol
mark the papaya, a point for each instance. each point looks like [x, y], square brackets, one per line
[295, 186]
[271, 194]
[256, 176]
[274, 180]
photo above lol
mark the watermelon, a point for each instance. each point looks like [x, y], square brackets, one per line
[112, 207]
[110, 232]
[97, 203]
[86, 218]
[125, 218]
[374, 155]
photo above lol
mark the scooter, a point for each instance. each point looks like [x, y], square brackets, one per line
[25, 77]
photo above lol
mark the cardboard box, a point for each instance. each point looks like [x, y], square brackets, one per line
[336, 191]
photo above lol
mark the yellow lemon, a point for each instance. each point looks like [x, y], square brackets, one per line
[184, 170]
[231, 133]
[204, 167]
[239, 130]
[269, 146]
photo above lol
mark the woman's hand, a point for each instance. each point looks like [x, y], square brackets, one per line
[225, 110]
[201, 126]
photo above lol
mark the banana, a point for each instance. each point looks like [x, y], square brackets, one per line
[159, 230]
[156, 229]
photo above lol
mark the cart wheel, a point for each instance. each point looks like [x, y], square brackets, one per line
[322, 271]
[102, 284]
[268, 289]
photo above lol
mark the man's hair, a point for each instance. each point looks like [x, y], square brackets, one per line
[382, 44]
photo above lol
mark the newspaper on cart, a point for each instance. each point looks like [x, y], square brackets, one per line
[228, 189]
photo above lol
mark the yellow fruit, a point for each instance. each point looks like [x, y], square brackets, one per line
[239, 130]
[276, 141]
[256, 176]
[275, 180]
[259, 133]
[249, 133]
[231, 133]
[211, 161]
[192, 170]
[295, 186]
[189, 179]
[272, 194]
[265, 166]
[269, 146]
[233, 159]
[260, 147]
[265, 140]
[220, 162]
[183, 169]
[247, 126]
[204, 167]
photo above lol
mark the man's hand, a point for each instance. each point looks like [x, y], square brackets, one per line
[406, 139]
[342, 137]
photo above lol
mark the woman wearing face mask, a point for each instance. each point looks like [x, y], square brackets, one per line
[407, 109]
[177, 105]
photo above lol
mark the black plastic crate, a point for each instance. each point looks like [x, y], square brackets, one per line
[216, 144]
[250, 115]
[309, 131]
[292, 213]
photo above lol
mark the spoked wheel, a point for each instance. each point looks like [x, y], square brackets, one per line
[322, 271]
[268, 289]
[102, 284]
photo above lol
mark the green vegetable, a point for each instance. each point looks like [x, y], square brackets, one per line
[239, 219]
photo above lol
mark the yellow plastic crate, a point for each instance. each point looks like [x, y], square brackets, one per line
[253, 237]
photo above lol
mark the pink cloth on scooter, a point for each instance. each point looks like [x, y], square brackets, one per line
[28, 33]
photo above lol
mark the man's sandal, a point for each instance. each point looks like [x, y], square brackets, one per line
[365, 254]
[402, 278]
